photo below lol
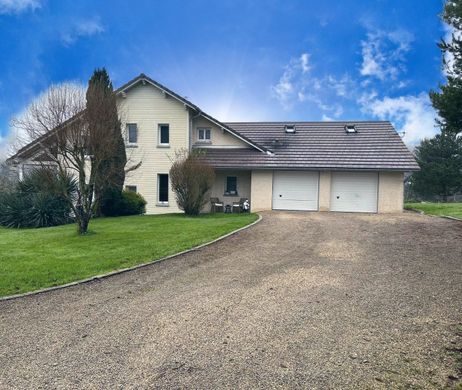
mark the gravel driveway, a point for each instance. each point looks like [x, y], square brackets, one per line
[300, 300]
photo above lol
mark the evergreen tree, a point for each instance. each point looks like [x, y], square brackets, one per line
[440, 160]
[103, 119]
[448, 100]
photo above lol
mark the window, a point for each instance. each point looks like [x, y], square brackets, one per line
[162, 180]
[350, 128]
[132, 133]
[231, 185]
[164, 134]
[204, 135]
[130, 188]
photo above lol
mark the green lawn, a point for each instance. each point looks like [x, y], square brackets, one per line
[31, 259]
[447, 209]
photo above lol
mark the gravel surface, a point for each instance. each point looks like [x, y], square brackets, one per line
[300, 300]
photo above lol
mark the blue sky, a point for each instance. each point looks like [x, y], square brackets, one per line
[237, 60]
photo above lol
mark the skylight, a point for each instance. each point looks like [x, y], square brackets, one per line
[290, 128]
[350, 128]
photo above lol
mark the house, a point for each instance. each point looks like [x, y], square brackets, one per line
[327, 166]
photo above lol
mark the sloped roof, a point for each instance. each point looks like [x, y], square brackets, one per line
[142, 77]
[318, 145]
[34, 146]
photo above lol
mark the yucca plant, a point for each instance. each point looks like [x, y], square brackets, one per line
[40, 200]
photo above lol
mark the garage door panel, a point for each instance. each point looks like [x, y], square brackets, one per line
[293, 190]
[354, 191]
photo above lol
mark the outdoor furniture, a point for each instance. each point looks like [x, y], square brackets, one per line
[217, 204]
[239, 206]
[236, 207]
[228, 209]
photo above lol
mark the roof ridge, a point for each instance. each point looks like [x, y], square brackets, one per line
[316, 122]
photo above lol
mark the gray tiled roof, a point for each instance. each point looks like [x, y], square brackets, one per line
[317, 145]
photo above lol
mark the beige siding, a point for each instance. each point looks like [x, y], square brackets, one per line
[391, 192]
[261, 190]
[219, 138]
[148, 107]
[324, 190]
[243, 187]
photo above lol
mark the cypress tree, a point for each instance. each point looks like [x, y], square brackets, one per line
[104, 123]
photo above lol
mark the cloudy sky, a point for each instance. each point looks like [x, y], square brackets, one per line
[237, 60]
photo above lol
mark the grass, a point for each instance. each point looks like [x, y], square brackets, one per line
[447, 209]
[31, 259]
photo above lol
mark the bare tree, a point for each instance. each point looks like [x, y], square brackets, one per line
[192, 179]
[58, 124]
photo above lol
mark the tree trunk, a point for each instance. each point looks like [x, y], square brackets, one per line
[82, 225]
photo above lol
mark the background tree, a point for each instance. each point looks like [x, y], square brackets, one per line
[448, 100]
[103, 121]
[75, 141]
[191, 179]
[440, 160]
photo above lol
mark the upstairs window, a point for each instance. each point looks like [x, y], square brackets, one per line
[132, 133]
[204, 135]
[231, 185]
[162, 184]
[164, 134]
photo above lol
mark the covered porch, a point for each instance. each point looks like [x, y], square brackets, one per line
[230, 187]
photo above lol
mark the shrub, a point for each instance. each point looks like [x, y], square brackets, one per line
[37, 201]
[132, 203]
[116, 203]
[191, 178]
[111, 202]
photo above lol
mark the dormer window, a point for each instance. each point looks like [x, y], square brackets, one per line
[350, 129]
[204, 135]
[290, 128]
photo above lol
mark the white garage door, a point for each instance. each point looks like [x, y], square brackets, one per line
[295, 190]
[354, 191]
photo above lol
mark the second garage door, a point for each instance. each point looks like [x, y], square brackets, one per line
[295, 190]
[354, 191]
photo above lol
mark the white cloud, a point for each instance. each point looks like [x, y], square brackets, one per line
[410, 114]
[3, 149]
[287, 87]
[375, 94]
[18, 6]
[304, 62]
[85, 28]
[450, 33]
[383, 53]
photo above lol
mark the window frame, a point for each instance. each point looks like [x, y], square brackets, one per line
[128, 133]
[205, 130]
[227, 192]
[162, 202]
[159, 135]
[131, 188]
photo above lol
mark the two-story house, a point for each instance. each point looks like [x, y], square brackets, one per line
[325, 166]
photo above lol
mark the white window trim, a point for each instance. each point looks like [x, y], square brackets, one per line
[159, 143]
[162, 203]
[205, 140]
[128, 134]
